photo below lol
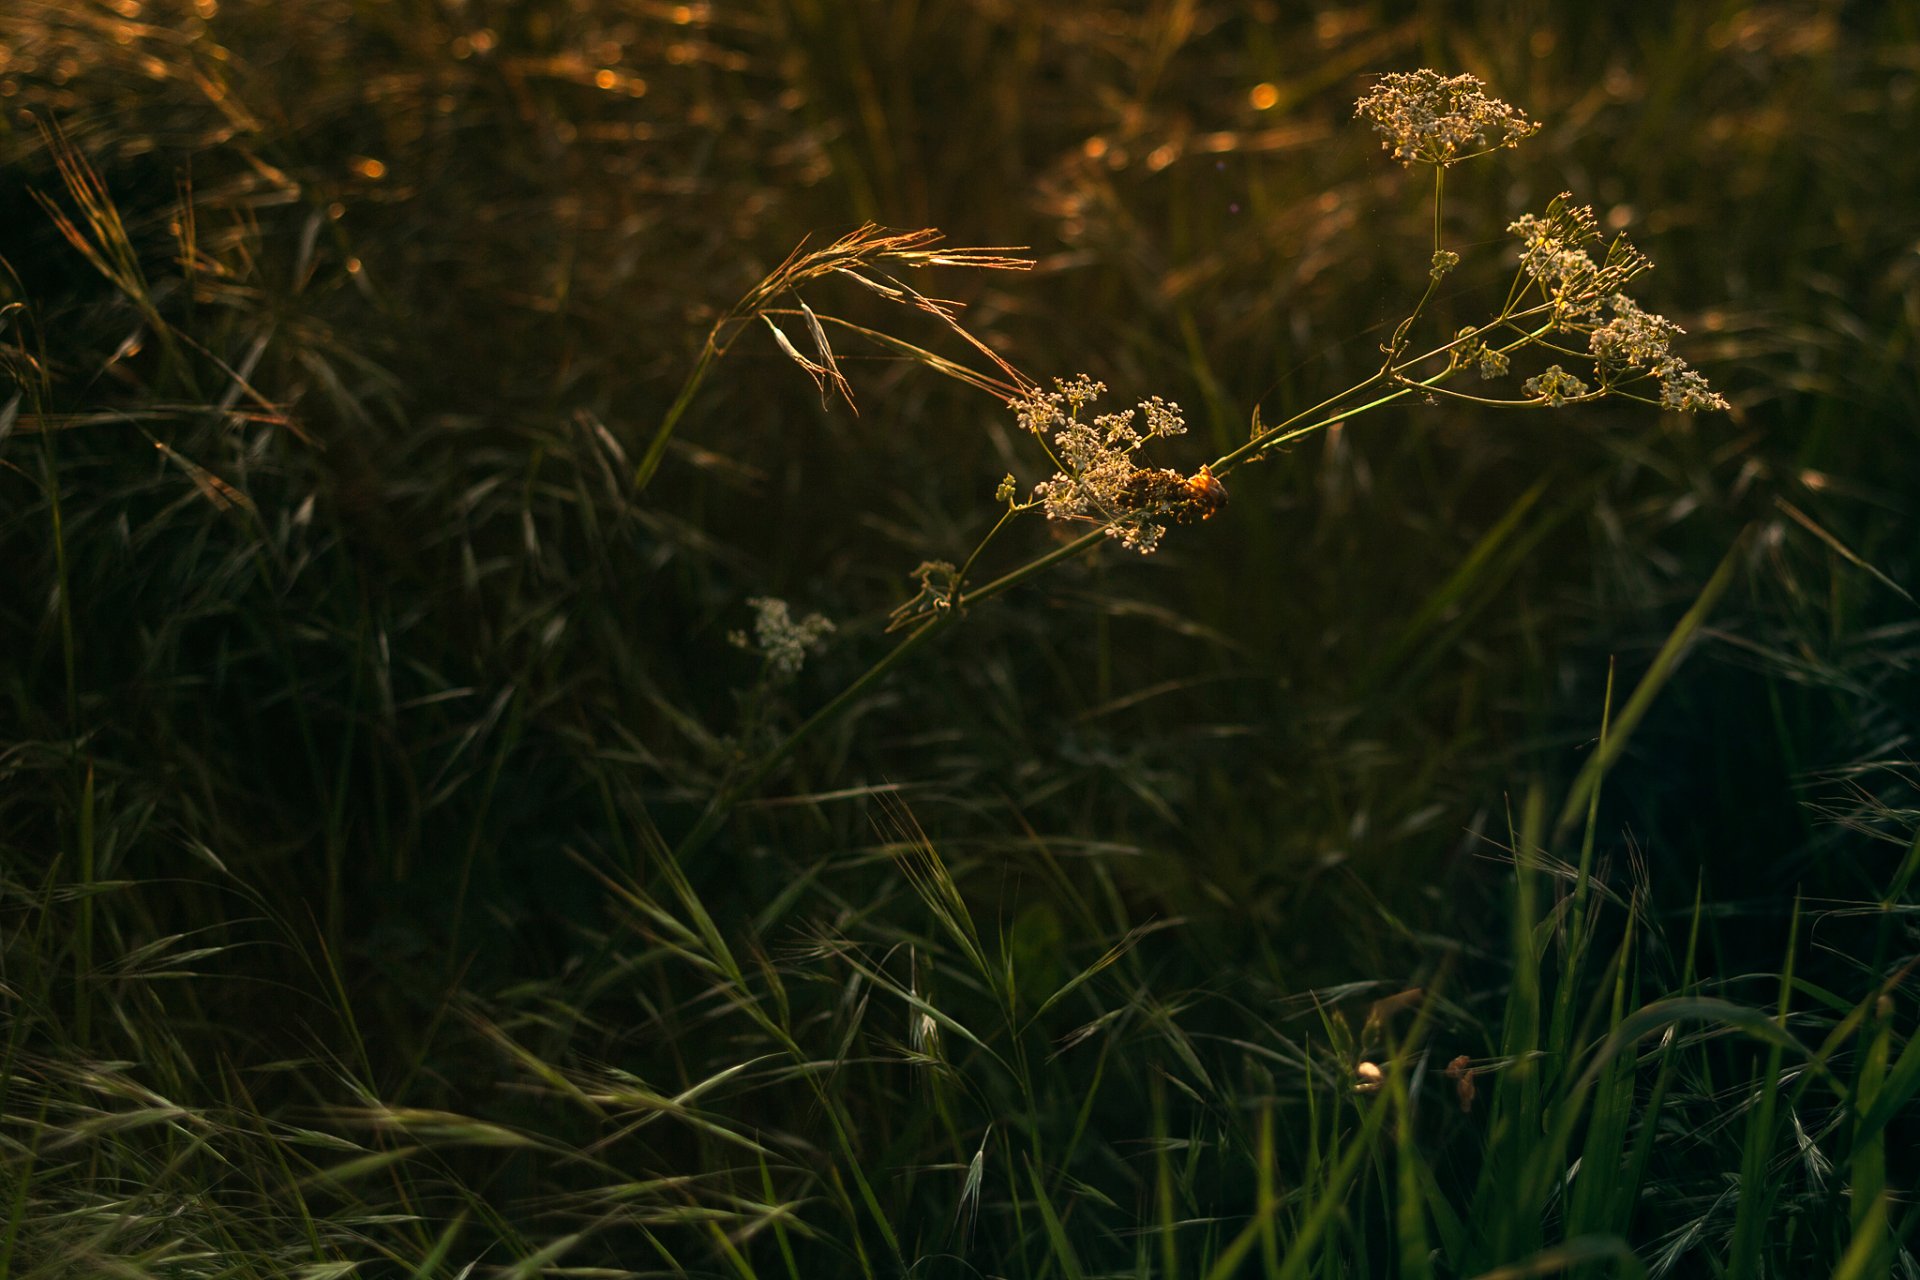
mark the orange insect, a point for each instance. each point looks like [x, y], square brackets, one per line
[1205, 493]
[1185, 498]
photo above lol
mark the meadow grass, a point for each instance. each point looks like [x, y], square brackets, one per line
[1485, 847]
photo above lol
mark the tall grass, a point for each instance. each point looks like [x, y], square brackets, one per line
[1485, 848]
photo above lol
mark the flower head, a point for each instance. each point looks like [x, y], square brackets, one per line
[781, 639]
[1098, 478]
[1633, 339]
[1685, 389]
[1555, 254]
[1556, 386]
[1628, 342]
[1424, 117]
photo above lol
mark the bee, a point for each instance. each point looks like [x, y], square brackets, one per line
[1164, 491]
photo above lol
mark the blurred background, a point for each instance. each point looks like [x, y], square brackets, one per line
[344, 655]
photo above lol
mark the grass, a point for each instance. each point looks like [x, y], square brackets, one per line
[1484, 848]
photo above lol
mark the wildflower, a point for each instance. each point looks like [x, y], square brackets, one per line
[1006, 490]
[1424, 117]
[781, 640]
[1470, 349]
[1556, 386]
[1444, 260]
[1684, 389]
[1633, 339]
[1554, 255]
[1098, 478]
[1638, 339]
[1040, 411]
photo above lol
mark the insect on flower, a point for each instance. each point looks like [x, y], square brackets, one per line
[1167, 492]
[1205, 492]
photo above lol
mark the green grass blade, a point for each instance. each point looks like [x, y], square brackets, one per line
[1664, 664]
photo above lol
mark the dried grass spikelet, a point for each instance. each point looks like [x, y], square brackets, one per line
[870, 256]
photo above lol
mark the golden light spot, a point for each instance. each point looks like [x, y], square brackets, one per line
[682, 14]
[370, 169]
[604, 79]
[1094, 148]
[483, 40]
[1161, 157]
[353, 266]
[336, 211]
[1265, 97]
[206, 8]
[636, 87]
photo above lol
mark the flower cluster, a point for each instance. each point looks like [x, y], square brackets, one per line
[1633, 343]
[781, 639]
[1471, 349]
[1098, 478]
[1424, 117]
[1635, 339]
[1554, 254]
[1556, 386]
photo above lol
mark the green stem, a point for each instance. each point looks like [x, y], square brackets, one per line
[960, 578]
[657, 448]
